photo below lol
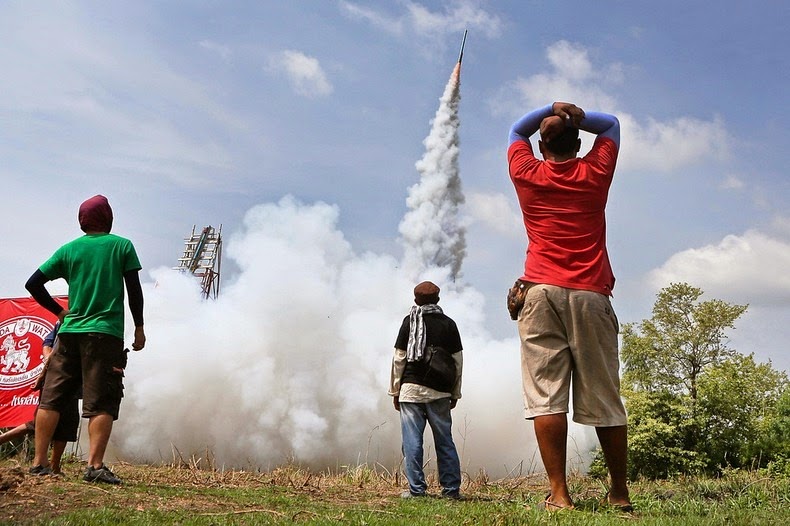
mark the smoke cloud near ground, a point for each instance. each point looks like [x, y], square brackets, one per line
[291, 363]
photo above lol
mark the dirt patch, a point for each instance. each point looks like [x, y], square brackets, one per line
[26, 498]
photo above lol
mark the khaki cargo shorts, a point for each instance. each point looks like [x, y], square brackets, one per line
[569, 339]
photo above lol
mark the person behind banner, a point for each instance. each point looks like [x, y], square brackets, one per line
[425, 384]
[68, 423]
[96, 267]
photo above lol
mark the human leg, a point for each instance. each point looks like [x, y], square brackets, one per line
[592, 328]
[596, 383]
[65, 431]
[546, 367]
[447, 461]
[58, 447]
[412, 420]
[552, 434]
[102, 373]
[60, 385]
[46, 422]
[17, 432]
[99, 429]
[614, 443]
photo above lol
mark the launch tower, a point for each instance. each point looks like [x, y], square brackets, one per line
[203, 258]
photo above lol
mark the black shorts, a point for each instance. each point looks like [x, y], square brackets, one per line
[92, 360]
[68, 423]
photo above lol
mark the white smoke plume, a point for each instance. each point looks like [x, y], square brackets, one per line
[291, 363]
[431, 232]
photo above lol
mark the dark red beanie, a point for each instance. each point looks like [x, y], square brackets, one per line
[95, 215]
[426, 292]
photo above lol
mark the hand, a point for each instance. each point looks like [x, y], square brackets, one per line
[396, 403]
[569, 113]
[63, 314]
[453, 403]
[551, 127]
[139, 339]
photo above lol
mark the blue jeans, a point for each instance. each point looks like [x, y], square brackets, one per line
[412, 421]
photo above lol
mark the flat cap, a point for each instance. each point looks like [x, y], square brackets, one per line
[426, 292]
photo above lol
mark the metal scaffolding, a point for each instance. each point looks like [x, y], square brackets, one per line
[203, 258]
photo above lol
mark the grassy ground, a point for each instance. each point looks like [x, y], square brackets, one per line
[187, 495]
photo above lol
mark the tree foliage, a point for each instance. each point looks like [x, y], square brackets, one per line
[684, 336]
[694, 404]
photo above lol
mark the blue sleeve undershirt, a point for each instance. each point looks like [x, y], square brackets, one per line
[598, 123]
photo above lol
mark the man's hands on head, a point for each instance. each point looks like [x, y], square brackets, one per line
[551, 127]
[569, 113]
[565, 114]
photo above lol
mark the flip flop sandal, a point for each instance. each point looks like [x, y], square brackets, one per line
[547, 505]
[627, 508]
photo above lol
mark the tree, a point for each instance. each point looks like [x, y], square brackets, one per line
[694, 404]
[682, 338]
[738, 400]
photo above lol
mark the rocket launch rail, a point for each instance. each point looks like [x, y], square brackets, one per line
[202, 258]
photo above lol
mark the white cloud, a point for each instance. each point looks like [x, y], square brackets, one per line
[375, 18]
[751, 268]
[732, 182]
[304, 72]
[572, 78]
[648, 144]
[669, 145]
[462, 15]
[222, 50]
[569, 60]
[91, 97]
[781, 224]
[496, 211]
[420, 20]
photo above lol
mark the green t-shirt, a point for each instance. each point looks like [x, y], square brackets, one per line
[93, 265]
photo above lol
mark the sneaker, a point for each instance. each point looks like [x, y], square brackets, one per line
[103, 474]
[409, 495]
[453, 495]
[40, 470]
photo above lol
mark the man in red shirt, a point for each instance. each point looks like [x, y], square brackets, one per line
[567, 326]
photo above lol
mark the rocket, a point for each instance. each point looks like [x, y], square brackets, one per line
[463, 43]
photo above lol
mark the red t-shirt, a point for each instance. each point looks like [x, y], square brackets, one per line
[563, 205]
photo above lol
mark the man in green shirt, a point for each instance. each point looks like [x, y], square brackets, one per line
[96, 266]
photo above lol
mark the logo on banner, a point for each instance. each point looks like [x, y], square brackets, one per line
[17, 337]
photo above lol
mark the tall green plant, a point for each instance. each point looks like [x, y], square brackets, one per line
[694, 403]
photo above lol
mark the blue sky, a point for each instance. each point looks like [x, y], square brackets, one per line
[194, 113]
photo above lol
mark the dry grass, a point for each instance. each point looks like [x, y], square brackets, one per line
[192, 491]
[191, 486]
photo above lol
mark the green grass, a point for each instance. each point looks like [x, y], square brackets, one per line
[186, 495]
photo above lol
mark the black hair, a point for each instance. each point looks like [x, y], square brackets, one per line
[565, 143]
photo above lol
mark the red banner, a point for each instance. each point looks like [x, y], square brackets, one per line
[23, 326]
